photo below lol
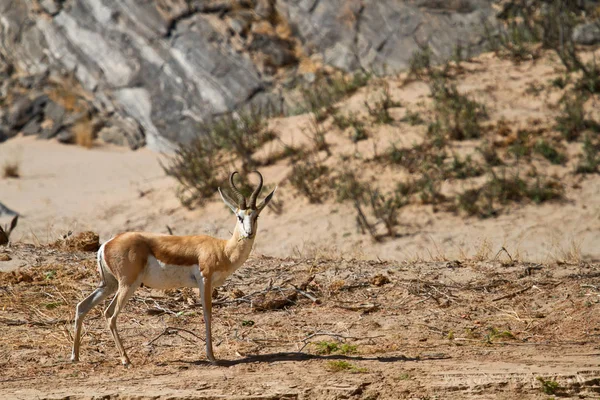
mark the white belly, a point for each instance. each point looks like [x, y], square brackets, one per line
[159, 275]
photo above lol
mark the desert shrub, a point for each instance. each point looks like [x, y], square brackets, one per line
[316, 133]
[320, 101]
[552, 23]
[416, 158]
[203, 164]
[430, 187]
[320, 97]
[590, 160]
[310, 178]
[358, 131]
[548, 386]
[413, 118]
[549, 152]
[572, 121]
[516, 37]
[489, 154]
[383, 207]
[380, 109]
[198, 168]
[463, 169]
[457, 115]
[420, 64]
[521, 147]
[241, 134]
[560, 82]
[501, 189]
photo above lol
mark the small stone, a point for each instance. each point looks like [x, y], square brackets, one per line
[5, 257]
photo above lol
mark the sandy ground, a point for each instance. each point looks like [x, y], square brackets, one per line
[370, 330]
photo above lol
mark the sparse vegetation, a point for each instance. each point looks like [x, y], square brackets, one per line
[458, 116]
[516, 39]
[573, 119]
[501, 189]
[383, 207]
[310, 178]
[325, 347]
[463, 169]
[380, 109]
[320, 97]
[495, 334]
[358, 131]
[590, 159]
[240, 134]
[489, 154]
[316, 133]
[549, 152]
[341, 365]
[548, 386]
[202, 165]
[420, 64]
[413, 118]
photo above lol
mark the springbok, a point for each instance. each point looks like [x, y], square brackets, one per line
[168, 262]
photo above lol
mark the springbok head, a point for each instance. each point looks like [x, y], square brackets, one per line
[246, 213]
[5, 232]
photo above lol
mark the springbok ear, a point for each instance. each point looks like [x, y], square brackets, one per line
[227, 201]
[266, 201]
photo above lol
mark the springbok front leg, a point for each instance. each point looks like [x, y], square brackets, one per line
[206, 297]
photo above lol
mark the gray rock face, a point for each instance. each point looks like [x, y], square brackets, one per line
[154, 69]
[587, 34]
[382, 35]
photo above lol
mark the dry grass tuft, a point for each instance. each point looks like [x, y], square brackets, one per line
[84, 241]
[83, 133]
[11, 169]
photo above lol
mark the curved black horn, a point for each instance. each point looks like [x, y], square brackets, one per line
[256, 191]
[239, 196]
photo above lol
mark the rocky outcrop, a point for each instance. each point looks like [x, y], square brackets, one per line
[148, 72]
[382, 35]
[587, 34]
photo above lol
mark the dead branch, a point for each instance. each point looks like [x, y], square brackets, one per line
[169, 330]
[368, 307]
[513, 294]
[16, 322]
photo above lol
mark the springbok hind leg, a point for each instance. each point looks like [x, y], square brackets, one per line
[83, 308]
[111, 313]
